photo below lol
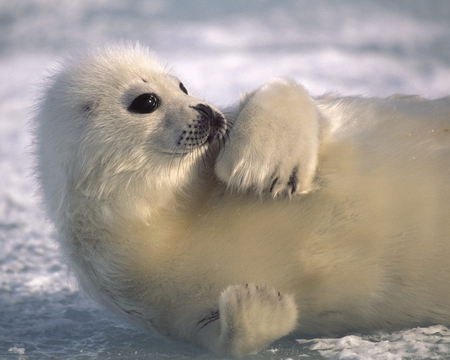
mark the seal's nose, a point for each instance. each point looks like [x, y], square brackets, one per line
[215, 120]
[205, 111]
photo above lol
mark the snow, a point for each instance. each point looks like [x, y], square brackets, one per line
[218, 49]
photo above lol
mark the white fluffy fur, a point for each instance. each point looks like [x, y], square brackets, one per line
[276, 131]
[156, 235]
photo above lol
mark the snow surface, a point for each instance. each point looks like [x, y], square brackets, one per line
[218, 49]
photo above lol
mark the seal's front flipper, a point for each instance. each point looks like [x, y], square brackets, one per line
[273, 145]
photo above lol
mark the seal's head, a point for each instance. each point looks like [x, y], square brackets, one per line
[116, 114]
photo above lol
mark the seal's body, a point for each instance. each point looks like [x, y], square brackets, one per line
[324, 217]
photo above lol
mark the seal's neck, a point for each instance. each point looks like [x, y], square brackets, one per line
[138, 196]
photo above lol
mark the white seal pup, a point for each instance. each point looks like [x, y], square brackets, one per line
[171, 223]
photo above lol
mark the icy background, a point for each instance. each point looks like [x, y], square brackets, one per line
[218, 49]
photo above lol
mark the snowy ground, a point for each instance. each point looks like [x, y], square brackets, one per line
[218, 49]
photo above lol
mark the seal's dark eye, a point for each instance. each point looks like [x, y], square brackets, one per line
[183, 89]
[144, 104]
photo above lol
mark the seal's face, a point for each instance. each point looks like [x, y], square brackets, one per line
[136, 97]
[118, 111]
[181, 123]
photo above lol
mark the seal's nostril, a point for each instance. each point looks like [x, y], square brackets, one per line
[204, 110]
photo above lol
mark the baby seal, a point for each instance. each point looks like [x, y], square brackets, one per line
[321, 216]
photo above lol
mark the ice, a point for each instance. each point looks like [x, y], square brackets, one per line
[418, 343]
[218, 49]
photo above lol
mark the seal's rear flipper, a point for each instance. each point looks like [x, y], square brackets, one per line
[249, 319]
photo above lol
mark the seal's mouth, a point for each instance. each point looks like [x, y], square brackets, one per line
[216, 121]
[208, 128]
